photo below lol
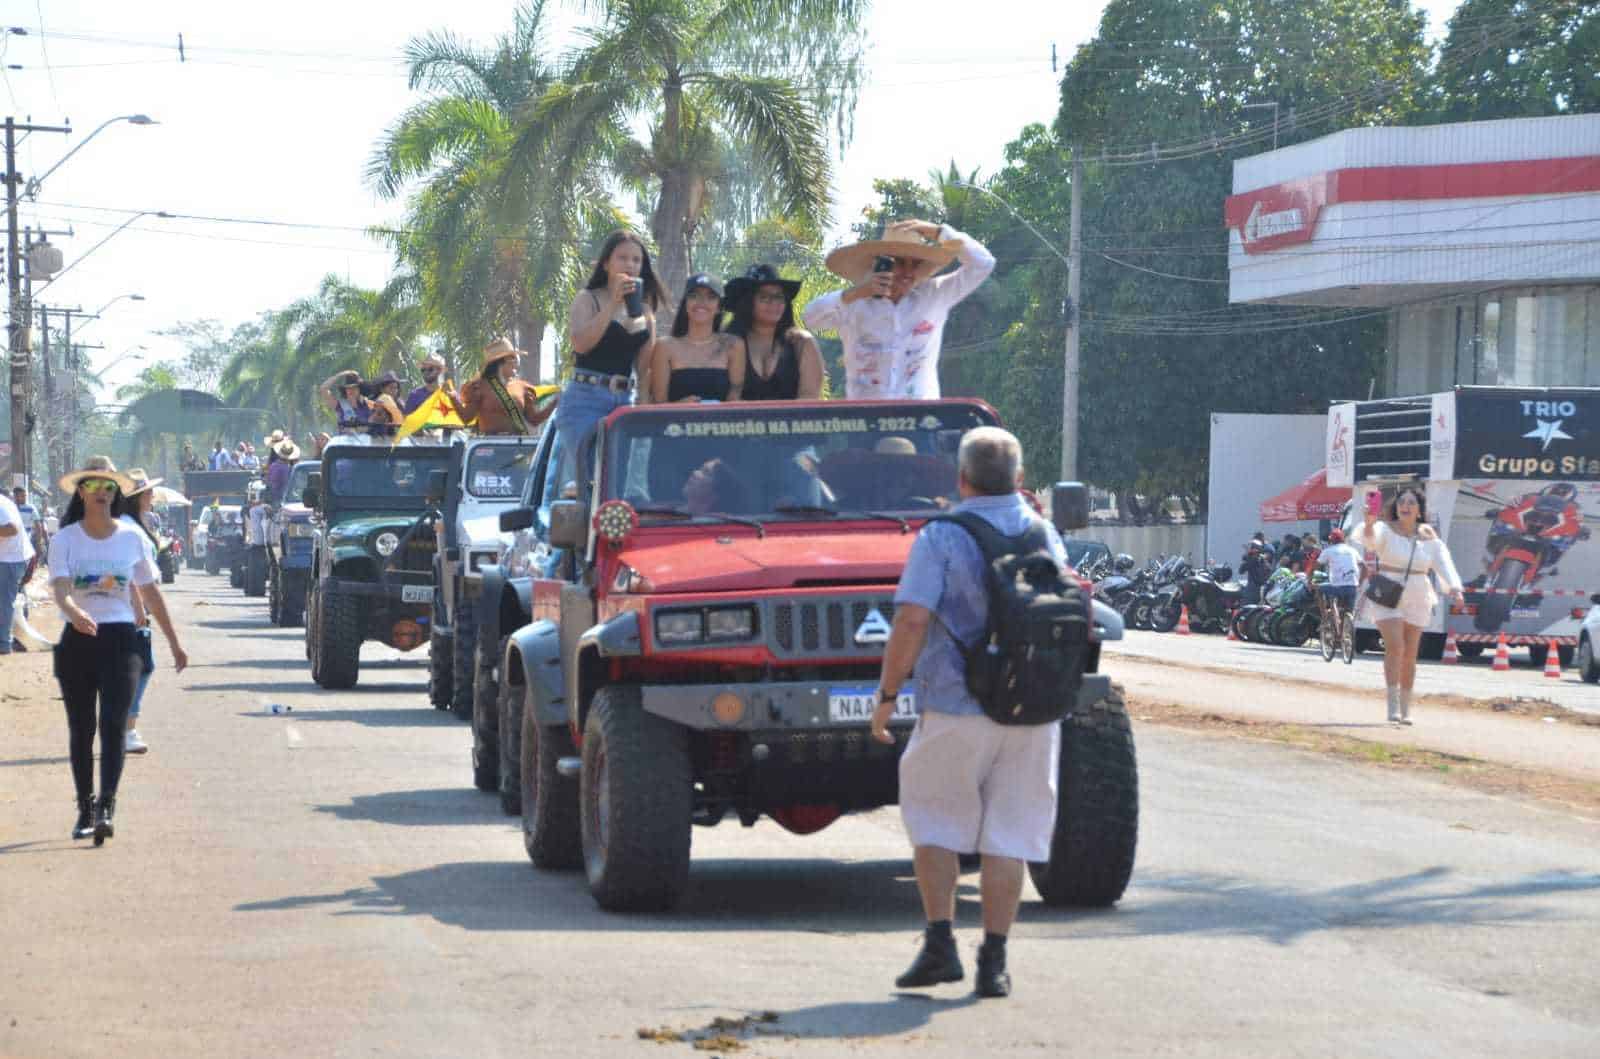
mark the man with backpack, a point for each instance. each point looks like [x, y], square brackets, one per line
[977, 615]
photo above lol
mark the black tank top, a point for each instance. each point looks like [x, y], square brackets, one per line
[784, 382]
[616, 351]
[708, 384]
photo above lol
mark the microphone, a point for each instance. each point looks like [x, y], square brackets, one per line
[634, 300]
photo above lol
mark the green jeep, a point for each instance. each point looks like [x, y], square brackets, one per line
[376, 513]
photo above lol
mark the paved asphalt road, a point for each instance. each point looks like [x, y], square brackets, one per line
[1473, 679]
[325, 882]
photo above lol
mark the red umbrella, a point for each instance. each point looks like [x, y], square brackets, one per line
[1313, 498]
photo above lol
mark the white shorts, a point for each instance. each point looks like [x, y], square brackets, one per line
[969, 785]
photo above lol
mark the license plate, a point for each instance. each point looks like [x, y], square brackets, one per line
[416, 593]
[854, 705]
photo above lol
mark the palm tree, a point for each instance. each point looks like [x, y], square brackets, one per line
[489, 253]
[702, 75]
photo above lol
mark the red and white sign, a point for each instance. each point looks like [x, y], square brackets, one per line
[1285, 214]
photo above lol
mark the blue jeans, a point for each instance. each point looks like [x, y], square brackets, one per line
[10, 585]
[581, 409]
[147, 669]
[1345, 594]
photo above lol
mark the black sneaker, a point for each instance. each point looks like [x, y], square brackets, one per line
[992, 980]
[937, 962]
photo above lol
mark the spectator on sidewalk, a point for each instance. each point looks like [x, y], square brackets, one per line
[16, 553]
[967, 783]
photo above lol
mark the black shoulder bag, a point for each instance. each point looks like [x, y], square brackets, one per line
[1386, 591]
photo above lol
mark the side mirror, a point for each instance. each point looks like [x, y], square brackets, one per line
[517, 518]
[569, 525]
[313, 490]
[437, 480]
[1069, 506]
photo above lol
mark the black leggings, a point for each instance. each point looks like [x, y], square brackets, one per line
[106, 666]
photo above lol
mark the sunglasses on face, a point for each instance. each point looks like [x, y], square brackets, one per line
[98, 485]
[769, 298]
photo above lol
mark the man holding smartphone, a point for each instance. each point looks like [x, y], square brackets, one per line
[892, 321]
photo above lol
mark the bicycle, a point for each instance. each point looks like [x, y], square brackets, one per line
[1336, 633]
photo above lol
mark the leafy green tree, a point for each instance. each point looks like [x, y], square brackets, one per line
[1516, 58]
[698, 76]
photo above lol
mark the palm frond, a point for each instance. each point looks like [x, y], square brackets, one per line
[782, 130]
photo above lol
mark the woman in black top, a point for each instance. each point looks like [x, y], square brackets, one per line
[782, 362]
[610, 342]
[697, 362]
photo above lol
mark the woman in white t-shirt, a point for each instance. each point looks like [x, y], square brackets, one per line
[96, 564]
[1408, 550]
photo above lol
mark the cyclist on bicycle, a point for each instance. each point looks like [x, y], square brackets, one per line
[1344, 570]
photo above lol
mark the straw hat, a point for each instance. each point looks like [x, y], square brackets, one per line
[756, 277]
[95, 467]
[271, 440]
[499, 349]
[141, 481]
[854, 263]
[433, 358]
[287, 450]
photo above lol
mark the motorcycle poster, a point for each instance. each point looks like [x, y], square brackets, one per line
[1525, 551]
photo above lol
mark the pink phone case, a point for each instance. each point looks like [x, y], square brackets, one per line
[1374, 503]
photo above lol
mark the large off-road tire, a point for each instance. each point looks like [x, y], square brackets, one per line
[441, 668]
[236, 574]
[512, 701]
[338, 652]
[1097, 808]
[485, 660]
[464, 675]
[274, 597]
[1588, 662]
[485, 743]
[549, 799]
[313, 598]
[255, 572]
[636, 801]
[292, 608]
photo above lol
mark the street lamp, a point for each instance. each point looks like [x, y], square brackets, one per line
[98, 313]
[163, 214]
[34, 183]
[132, 353]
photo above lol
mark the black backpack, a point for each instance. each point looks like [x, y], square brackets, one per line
[1028, 665]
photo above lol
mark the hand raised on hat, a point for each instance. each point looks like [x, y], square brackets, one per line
[926, 229]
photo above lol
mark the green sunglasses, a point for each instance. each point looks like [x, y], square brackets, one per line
[98, 485]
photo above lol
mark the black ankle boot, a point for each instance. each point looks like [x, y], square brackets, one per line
[102, 818]
[937, 961]
[85, 825]
[992, 980]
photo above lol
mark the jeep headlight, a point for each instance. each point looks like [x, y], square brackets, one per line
[680, 627]
[730, 623]
[386, 543]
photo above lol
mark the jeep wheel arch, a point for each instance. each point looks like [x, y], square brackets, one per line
[533, 658]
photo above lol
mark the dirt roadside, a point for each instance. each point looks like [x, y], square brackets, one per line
[1520, 747]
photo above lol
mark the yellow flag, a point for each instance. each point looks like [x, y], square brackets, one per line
[436, 411]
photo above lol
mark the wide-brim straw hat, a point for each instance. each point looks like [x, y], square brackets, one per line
[272, 440]
[499, 349]
[854, 263]
[287, 450]
[141, 481]
[95, 467]
[756, 277]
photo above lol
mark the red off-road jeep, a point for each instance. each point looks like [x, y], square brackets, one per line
[710, 643]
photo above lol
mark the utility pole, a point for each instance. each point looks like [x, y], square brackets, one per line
[18, 337]
[1069, 379]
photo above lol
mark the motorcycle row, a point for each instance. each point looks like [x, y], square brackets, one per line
[1154, 597]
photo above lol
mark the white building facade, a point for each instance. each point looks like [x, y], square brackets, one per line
[1479, 241]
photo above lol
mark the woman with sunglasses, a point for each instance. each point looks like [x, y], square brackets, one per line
[1408, 550]
[781, 362]
[97, 561]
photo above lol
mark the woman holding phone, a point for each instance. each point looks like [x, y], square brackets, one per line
[1399, 597]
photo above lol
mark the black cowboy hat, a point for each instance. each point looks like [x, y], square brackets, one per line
[756, 277]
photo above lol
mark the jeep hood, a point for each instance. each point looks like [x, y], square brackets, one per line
[739, 561]
[355, 528]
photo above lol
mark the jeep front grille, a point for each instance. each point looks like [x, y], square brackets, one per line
[825, 626]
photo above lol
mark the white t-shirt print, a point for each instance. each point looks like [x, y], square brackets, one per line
[102, 572]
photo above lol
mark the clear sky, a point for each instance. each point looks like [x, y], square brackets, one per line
[275, 112]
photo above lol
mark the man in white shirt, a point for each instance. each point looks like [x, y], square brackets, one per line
[892, 321]
[1344, 569]
[15, 552]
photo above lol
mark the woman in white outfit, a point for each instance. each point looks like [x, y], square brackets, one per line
[1408, 550]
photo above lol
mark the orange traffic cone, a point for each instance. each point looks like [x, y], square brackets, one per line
[1183, 621]
[1502, 656]
[1451, 655]
[1552, 662]
[1233, 634]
